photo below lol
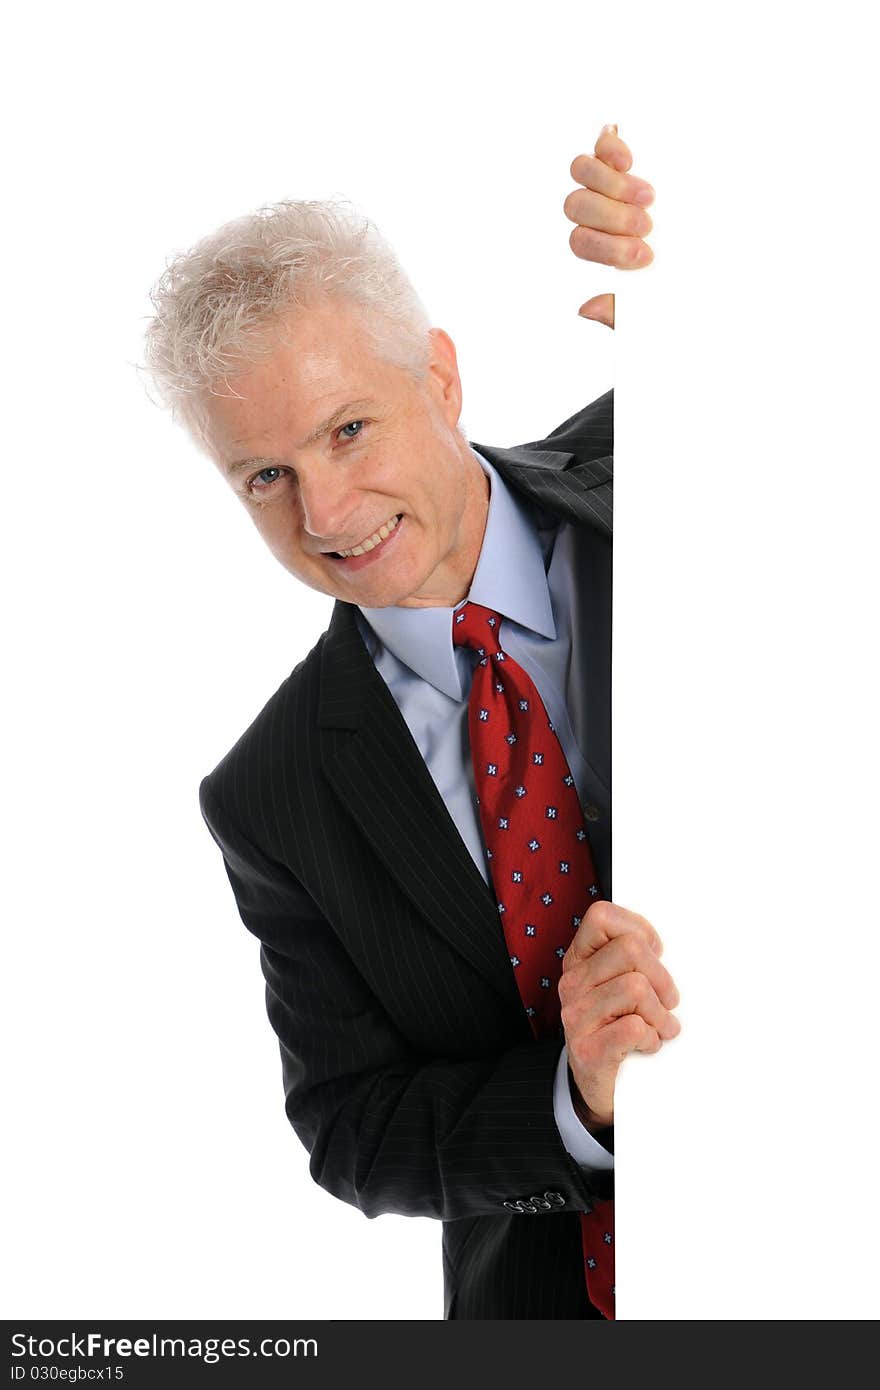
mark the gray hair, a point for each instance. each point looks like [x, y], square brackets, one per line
[217, 304]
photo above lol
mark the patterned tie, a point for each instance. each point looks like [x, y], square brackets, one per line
[542, 869]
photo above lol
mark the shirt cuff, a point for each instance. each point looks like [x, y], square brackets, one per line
[586, 1151]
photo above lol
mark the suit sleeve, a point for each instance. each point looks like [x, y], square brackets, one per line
[389, 1130]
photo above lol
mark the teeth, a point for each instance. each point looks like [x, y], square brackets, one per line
[372, 541]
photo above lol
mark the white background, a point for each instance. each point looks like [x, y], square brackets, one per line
[150, 1171]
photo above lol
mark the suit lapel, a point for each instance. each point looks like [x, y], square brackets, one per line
[373, 763]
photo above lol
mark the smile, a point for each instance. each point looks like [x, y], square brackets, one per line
[371, 542]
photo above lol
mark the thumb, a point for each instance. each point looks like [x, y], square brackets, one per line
[601, 308]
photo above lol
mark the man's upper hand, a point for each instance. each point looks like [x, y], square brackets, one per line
[609, 212]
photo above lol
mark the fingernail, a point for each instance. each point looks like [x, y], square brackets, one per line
[644, 197]
[611, 129]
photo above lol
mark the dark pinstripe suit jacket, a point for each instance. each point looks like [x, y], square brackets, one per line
[409, 1068]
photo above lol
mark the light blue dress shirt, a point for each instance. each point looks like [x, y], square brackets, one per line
[524, 572]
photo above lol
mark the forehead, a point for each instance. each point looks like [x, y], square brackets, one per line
[312, 361]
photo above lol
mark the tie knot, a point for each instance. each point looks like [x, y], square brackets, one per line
[477, 627]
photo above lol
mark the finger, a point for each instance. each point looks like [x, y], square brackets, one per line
[627, 253]
[624, 955]
[601, 308]
[603, 922]
[630, 1034]
[591, 209]
[611, 149]
[617, 998]
[590, 172]
[595, 1060]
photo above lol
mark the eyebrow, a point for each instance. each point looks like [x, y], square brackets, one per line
[342, 415]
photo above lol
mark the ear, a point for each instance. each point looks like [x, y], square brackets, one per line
[443, 375]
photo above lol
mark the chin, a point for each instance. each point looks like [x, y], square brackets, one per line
[387, 598]
[387, 593]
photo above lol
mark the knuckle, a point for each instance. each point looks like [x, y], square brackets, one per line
[652, 940]
[568, 1018]
[631, 252]
[566, 989]
[641, 926]
[581, 1050]
[582, 241]
[601, 913]
[632, 947]
[630, 1032]
[572, 204]
[638, 987]
[636, 222]
[579, 166]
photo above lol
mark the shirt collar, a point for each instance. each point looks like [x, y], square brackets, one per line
[510, 578]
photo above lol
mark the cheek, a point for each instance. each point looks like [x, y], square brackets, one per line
[279, 530]
[448, 499]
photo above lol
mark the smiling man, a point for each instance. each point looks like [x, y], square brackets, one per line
[417, 824]
[386, 503]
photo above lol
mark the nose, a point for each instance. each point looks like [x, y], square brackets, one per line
[329, 503]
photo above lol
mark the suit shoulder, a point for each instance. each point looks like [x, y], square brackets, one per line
[588, 434]
[280, 730]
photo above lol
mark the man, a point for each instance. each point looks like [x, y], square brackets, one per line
[435, 1061]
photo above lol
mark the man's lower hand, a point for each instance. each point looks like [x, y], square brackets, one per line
[615, 998]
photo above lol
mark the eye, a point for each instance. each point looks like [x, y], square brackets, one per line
[357, 426]
[263, 480]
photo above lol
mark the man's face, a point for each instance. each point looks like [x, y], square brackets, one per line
[330, 444]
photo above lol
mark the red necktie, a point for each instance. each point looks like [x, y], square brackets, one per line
[539, 856]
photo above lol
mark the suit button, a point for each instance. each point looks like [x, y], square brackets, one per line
[591, 812]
